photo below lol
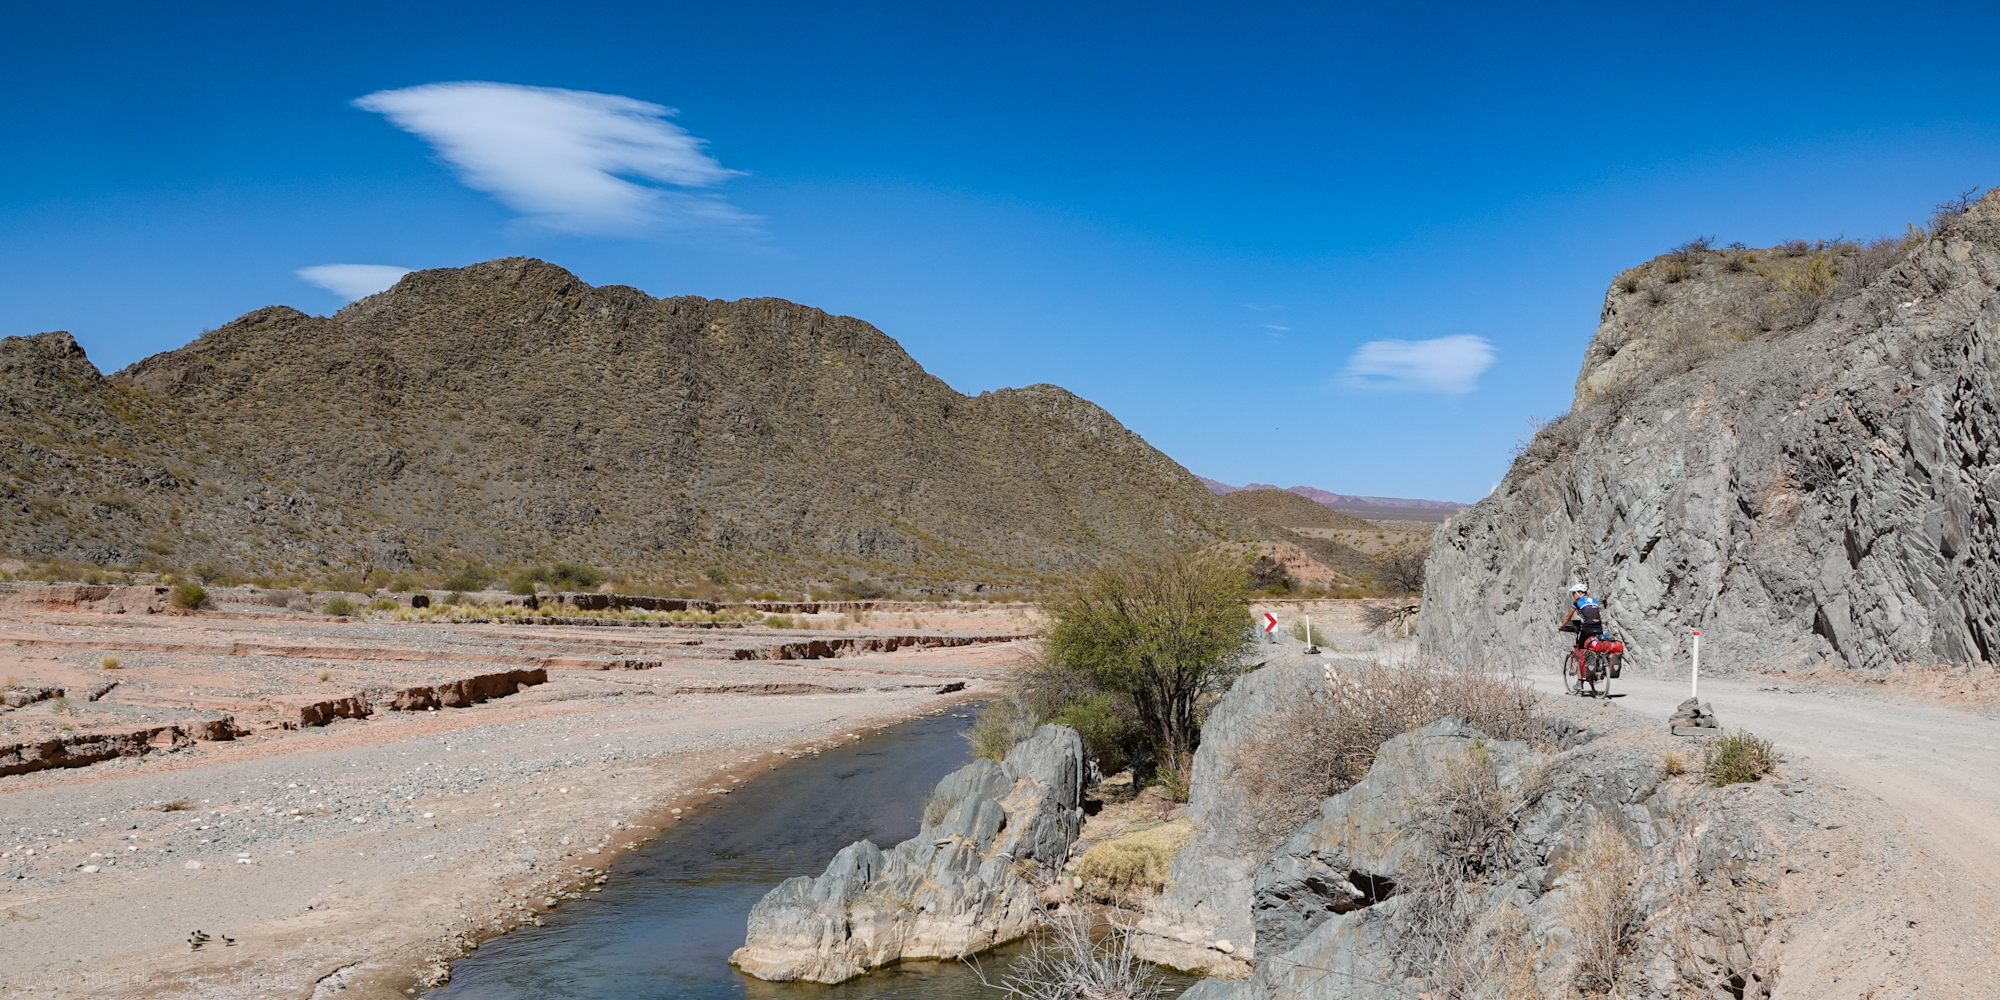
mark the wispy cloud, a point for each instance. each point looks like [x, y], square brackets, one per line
[352, 281]
[1274, 326]
[570, 160]
[1449, 365]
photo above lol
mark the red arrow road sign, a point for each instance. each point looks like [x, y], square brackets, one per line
[1270, 622]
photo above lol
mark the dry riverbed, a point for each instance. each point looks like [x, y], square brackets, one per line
[359, 857]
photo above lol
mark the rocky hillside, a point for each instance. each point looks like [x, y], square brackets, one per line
[1794, 450]
[1289, 510]
[507, 413]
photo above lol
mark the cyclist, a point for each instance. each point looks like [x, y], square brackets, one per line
[1588, 617]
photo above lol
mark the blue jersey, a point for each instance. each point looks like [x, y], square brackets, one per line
[1588, 609]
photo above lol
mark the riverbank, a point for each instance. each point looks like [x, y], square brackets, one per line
[367, 853]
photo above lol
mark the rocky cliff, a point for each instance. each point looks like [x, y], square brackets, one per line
[508, 413]
[1794, 450]
[966, 882]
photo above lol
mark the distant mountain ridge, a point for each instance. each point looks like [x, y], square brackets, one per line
[507, 413]
[1336, 500]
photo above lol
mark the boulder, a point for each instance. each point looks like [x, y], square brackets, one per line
[1207, 899]
[968, 880]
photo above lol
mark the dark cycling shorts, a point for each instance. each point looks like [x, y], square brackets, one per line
[1585, 630]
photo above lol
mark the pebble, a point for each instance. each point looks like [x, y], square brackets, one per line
[192, 864]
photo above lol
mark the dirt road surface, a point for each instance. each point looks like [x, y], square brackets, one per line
[1918, 837]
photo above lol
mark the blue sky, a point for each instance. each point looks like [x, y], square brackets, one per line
[1215, 221]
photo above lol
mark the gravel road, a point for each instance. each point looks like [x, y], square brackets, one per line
[1924, 782]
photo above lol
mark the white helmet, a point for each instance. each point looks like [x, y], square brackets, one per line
[1577, 588]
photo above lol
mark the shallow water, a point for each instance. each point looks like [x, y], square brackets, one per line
[675, 909]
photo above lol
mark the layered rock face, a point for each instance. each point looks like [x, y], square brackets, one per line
[1468, 862]
[1784, 449]
[965, 883]
[1202, 921]
[508, 413]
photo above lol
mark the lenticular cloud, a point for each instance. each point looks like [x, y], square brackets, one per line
[352, 281]
[566, 159]
[1450, 365]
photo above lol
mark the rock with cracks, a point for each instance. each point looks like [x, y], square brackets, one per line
[965, 883]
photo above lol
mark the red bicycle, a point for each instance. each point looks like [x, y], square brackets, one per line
[1588, 669]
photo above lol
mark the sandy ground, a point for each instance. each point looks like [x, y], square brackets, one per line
[1893, 879]
[361, 856]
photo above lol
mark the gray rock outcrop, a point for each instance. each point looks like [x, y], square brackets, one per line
[1353, 905]
[965, 883]
[1796, 451]
[1202, 920]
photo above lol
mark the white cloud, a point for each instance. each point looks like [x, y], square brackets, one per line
[1447, 364]
[352, 281]
[562, 158]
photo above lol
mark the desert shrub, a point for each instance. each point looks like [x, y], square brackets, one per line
[1325, 737]
[861, 590]
[1298, 631]
[468, 578]
[1954, 207]
[325, 675]
[1075, 961]
[1632, 280]
[220, 576]
[1110, 732]
[349, 582]
[187, 595]
[1136, 861]
[1674, 762]
[718, 576]
[1045, 693]
[1462, 816]
[403, 583]
[1599, 905]
[1674, 271]
[60, 705]
[1738, 757]
[109, 662]
[1166, 632]
[1403, 573]
[777, 621]
[382, 604]
[1267, 575]
[337, 605]
[1812, 279]
[558, 577]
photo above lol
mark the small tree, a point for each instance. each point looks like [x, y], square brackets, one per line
[1163, 631]
[1404, 572]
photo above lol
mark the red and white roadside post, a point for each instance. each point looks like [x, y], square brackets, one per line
[1694, 669]
[1270, 627]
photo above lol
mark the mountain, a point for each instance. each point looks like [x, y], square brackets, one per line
[1794, 450]
[507, 413]
[1358, 506]
[1290, 510]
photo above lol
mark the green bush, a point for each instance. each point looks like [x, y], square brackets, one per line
[778, 621]
[559, 577]
[718, 576]
[351, 582]
[469, 578]
[187, 595]
[1738, 757]
[1110, 736]
[337, 605]
[861, 590]
[382, 604]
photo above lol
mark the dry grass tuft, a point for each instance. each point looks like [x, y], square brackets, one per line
[1078, 960]
[1136, 861]
[1675, 763]
[109, 662]
[1326, 737]
[1598, 907]
[1738, 757]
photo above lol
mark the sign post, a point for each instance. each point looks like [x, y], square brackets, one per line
[1310, 648]
[1694, 674]
[1270, 627]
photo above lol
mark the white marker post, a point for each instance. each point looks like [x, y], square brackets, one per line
[1310, 648]
[1694, 678]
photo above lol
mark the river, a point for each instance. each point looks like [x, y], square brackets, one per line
[664, 926]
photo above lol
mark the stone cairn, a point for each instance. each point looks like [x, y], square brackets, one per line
[1693, 714]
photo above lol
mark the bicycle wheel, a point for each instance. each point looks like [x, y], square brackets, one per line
[1572, 684]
